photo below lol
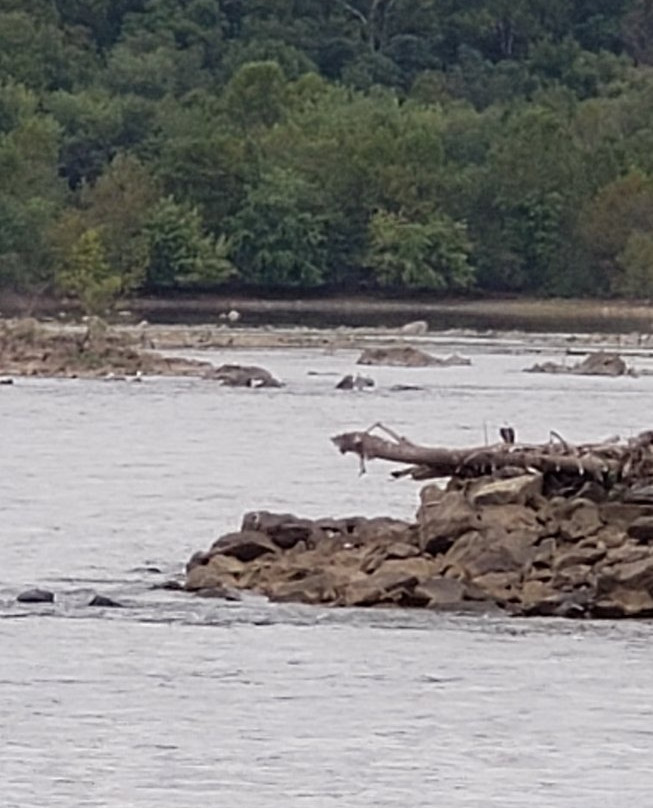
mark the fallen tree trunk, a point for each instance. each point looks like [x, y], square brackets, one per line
[604, 462]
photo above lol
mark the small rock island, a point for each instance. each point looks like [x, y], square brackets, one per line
[555, 530]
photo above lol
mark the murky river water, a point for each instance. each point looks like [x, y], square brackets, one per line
[176, 701]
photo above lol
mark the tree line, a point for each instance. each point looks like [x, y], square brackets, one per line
[491, 146]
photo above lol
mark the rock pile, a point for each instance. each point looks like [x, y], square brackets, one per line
[485, 543]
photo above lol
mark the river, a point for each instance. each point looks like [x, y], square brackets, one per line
[175, 700]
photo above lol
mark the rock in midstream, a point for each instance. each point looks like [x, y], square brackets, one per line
[407, 356]
[601, 363]
[482, 544]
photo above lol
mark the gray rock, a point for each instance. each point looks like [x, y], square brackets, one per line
[105, 602]
[36, 596]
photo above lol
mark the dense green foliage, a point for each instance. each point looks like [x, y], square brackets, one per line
[489, 146]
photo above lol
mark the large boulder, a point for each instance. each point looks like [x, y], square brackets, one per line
[493, 550]
[511, 490]
[442, 518]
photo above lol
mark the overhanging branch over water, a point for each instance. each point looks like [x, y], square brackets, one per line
[609, 461]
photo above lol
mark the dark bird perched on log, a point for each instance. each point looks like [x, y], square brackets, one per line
[507, 434]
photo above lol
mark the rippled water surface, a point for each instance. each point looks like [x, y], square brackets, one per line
[109, 487]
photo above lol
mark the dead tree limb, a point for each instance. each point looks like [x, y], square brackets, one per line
[589, 461]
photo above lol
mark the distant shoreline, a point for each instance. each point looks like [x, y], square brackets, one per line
[571, 316]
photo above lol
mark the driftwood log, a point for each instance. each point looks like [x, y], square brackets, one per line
[608, 462]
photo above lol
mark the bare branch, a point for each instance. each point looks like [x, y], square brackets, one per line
[432, 461]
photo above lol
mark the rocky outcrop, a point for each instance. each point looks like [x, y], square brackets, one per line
[407, 356]
[28, 348]
[601, 363]
[476, 544]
